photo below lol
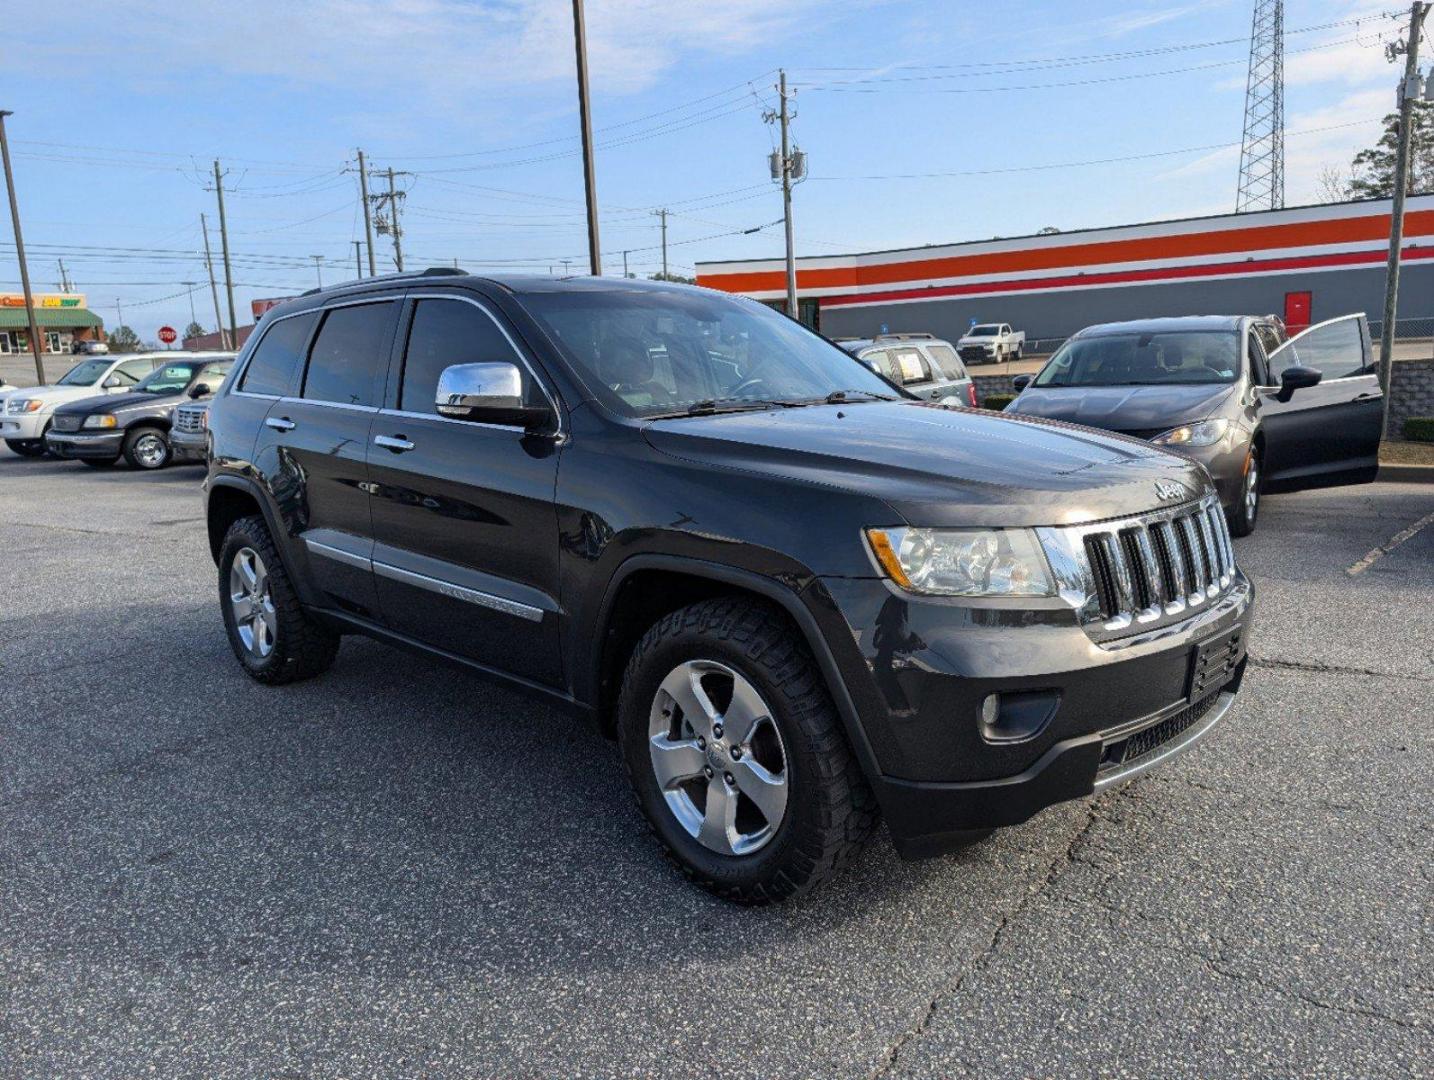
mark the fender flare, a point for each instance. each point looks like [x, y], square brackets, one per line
[784, 596]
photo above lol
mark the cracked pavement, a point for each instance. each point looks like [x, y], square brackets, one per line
[398, 870]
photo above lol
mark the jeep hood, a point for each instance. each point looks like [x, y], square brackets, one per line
[938, 466]
[1150, 409]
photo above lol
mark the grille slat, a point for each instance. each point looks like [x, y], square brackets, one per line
[67, 423]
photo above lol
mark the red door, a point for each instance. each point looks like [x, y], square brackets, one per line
[1297, 311]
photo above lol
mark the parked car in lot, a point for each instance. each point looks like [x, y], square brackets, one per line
[921, 364]
[189, 432]
[99, 430]
[26, 413]
[991, 343]
[796, 596]
[1306, 414]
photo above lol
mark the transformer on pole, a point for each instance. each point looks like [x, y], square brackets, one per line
[1262, 147]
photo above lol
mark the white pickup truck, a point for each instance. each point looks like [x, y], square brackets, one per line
[991, 343]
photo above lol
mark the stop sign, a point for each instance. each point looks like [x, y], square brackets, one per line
[167, 335]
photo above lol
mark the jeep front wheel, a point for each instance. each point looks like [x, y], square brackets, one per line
[736, 753]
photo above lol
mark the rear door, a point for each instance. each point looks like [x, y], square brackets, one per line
[314, 445]
[948, 368]
[466, 557]
[1326, 434]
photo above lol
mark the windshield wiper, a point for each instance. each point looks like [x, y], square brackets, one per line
[838, 397]
[733, 404]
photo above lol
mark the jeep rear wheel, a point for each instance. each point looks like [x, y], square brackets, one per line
[736, 754]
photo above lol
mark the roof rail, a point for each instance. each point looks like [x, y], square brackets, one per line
[905, 337]
[432, 271]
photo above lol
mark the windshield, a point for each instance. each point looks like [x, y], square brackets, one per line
[653, 353]
[983, 331]
[169, 379]
[84, 373]
[1203, 356]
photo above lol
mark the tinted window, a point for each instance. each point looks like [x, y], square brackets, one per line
[350, 355]
[1336, 348]
[272, 368]
[1270, 337]
[448, 332]
[1206, 356]
[947, 360]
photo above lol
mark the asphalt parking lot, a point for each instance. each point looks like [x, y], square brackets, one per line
[398, 870]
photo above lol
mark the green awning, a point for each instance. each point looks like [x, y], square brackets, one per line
[70, 318]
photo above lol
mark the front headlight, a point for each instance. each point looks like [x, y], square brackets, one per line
[100, 420]
[1205, 433]
[26, 405]
[963, 562]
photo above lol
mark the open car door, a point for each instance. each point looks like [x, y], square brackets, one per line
[1326, 434]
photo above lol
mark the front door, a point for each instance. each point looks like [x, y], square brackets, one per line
[466, 552]
[1329, 433]
[314, 444]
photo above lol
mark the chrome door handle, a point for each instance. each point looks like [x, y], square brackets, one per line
[397, 443]
[280, 423]
[1367, 397]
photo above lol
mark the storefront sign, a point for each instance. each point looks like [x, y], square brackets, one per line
[43, 300]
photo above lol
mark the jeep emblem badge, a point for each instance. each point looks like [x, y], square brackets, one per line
[1169, 489]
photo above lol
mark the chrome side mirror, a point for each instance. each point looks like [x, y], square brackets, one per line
[489, 393]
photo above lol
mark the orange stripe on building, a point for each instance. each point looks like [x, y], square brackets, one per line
[1095, 253]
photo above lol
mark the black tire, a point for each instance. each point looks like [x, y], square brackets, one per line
[147, 447]
[302, 647]
[31, 448]
[99, 463]
[830, 810]
[1245, 514]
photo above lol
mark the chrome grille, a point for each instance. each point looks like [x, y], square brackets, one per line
[67, 423]
[1139, 573]
[189, 419]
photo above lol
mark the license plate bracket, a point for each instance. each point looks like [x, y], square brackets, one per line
[1214, 662]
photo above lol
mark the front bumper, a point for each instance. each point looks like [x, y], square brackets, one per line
[80, 444]
[1115, 710]
[187, 446]
[23, 426]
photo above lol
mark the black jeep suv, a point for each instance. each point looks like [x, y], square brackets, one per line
[797, 597]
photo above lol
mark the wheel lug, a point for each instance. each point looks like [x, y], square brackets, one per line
[716, 731]
[701, 743]
[736, 753]
[707, 771]
[731, 780]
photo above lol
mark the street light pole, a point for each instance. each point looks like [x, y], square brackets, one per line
[1408, 91]
[20, 250]
[580, 44]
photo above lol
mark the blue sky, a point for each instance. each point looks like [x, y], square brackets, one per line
[122, 105]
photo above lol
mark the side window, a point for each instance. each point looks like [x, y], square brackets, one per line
[1259, 369]
[947, 361]
[131, 371]
[271, 369]
[880, 362]
[912, 367]
[1270, 338]
[212, 375]
[1336, 348]
[448, 332]
[350, 355]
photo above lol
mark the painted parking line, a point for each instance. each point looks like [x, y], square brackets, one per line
[1375, 554]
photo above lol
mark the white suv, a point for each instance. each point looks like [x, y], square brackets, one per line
[26, 412]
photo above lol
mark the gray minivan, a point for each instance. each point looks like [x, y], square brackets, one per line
[921, 364]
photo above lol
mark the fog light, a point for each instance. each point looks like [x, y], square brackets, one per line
[1017, 716]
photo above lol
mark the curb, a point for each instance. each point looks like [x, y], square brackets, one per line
[1405, 474]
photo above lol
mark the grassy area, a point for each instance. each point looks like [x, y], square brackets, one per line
[1407, 453]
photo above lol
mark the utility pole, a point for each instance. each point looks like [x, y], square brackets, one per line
[367, 218]
[119, 310]
[624, 265]
[390, 224]
[358, 255]
[213, 288]
[580, 43]
[787, 165]
[1408, 92]
[64, 277]
[35, 341]
[663, 215]
[224, 247]
[190, 286]
[319, 268]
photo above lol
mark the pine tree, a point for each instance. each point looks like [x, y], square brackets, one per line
[1373, 169]
[123, 340]
[193, 330]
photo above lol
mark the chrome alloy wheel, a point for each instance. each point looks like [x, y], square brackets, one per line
[718, 757]
[1252, 489]
[150, 450]
[251, 603]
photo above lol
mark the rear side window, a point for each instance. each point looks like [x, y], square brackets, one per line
[946, 359]
[350, 355]
[271, 369]
[911, 366]
[448, 332]
[131, 371]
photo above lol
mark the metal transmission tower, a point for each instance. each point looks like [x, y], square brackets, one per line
[1262, 148]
